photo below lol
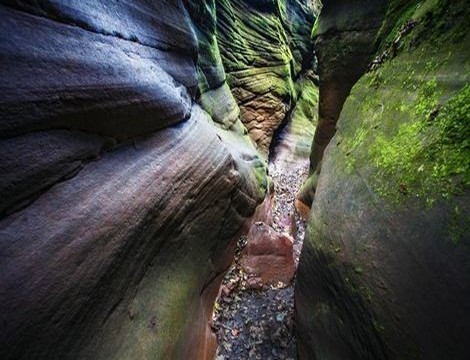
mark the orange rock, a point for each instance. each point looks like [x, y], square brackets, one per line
[302, 208]
[268, 256]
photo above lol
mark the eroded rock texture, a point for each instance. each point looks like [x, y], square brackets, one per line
[345, 40]
[268, 257]
[384, 272]
[120, 195]
[264, 46]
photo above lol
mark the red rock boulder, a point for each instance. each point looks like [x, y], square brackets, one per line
[268, 256]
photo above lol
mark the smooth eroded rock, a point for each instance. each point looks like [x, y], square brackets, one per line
[31, 163]
[268, 256]
[385, 266]
[56, 75]
[122, 249]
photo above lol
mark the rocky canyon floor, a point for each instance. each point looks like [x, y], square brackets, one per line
[254, 321]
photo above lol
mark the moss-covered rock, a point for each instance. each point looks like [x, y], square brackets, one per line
[345, 36]
[416, 120]
[257, 56]
[385, 265]
[297, 133]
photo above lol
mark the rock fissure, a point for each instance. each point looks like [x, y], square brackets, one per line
[254, 314]
[234, 179]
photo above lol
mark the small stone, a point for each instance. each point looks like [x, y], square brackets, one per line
[280, 317]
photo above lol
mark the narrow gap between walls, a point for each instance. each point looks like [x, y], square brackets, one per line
[254, 313]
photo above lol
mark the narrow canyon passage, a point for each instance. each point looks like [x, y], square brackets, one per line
[254, 317]
[154, 155]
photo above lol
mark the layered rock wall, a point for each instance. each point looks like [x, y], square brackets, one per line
[264, 46]
[111, 177]
[126, 171]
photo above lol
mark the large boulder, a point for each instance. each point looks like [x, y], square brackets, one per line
[268, 257]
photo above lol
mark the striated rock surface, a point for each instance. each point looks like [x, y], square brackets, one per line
[298, 21]
[107, 251]
[293, 140]
[128, 135]
[385, 267]
[258, 43]
[55, 83]
[121, 197]
[33, 162]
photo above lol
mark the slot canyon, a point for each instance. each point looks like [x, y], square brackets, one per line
[234, 179]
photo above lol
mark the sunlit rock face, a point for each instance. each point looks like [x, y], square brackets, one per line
[120, 195]
[264, 46]
[385, 267]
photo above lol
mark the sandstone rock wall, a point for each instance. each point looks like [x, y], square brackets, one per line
[120, 196]
[126, 171]
[264, 46]
[385, 267]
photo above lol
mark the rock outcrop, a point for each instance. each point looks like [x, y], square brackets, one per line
[264, 46]
[268, 257]
[120, 195]
[127, 169]
[384, 269]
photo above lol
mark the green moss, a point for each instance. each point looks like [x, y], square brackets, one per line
[440, 21]
[459, 225]
[358, 270]
[423, 8]
[353, 144]
[366, 292]
[399, 13]
[430, 155]
[378, 326]
[406, 125]
[315, 29]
